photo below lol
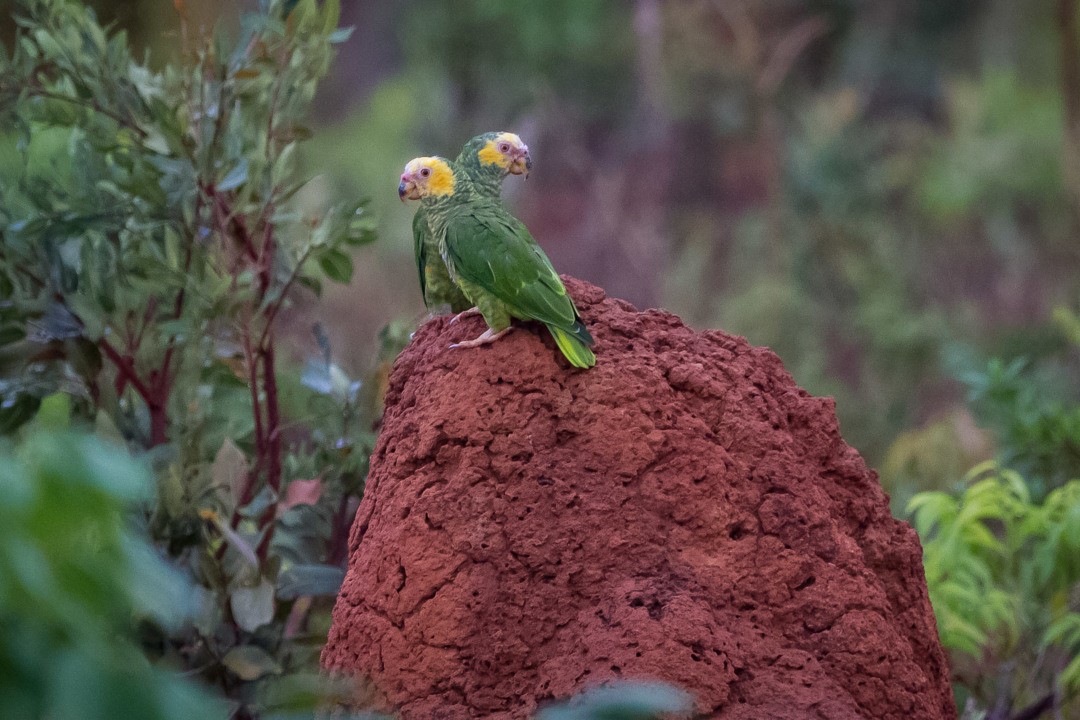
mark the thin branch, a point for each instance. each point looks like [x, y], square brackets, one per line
[91, 104]
[256, 406]
[273, 416]
[170, 347]
[125, 367]
[228, 219]
[283, 60]
[38, 282]
[276, 306]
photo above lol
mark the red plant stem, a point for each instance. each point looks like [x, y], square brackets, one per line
[151, 395]
[159, 425]
[245, 235]
[273, 416]
[162, 379]
[265, 352]
[256, 407]
[273, 445]
[125, 370]
[269, 522]
[275, 307]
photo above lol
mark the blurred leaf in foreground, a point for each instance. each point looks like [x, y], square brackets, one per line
[73, 575]
[629, 700]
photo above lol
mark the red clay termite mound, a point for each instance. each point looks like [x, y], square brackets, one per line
[682, 511]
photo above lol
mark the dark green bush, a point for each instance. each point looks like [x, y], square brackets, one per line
[154, 230]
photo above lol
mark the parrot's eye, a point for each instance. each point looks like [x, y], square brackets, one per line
[504, 148]
[425, 172]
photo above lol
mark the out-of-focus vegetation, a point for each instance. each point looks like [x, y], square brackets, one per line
[1002, 545]
[75, 569]
[1003, 572]
[623, 700]
[886, 193]
[156, 231]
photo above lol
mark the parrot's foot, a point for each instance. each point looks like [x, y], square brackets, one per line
[465, 314]
[489, 336]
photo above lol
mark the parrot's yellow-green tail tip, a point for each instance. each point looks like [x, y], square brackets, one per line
[577, 352]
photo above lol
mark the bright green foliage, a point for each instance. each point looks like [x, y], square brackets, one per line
[1004, 577]
[154, 229]
[74, 572]
[146, 206]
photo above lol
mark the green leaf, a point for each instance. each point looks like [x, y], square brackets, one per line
[253, 607]
[250, 662]
[626, 700]
[1066, 631]
[315, 580]
[1070, 676]
[236, 177]
[55, 411]
[340, 35]
[232, 537]
[337, 265]
[230, 469]
[359, 227]
[283, 166]
[311, 283]
[331, 15]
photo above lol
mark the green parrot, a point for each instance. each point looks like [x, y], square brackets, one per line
[487, 159]
[492, 257]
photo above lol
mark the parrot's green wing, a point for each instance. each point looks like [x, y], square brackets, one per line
[421, 231]
[490, 248]
[436, 287]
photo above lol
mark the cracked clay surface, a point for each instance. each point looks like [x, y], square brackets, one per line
[682, 511]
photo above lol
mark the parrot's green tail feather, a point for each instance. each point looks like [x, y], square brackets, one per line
[574, 347]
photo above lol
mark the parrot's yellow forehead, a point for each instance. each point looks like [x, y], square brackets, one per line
[439, 179]
[510, 138]
[490, 155]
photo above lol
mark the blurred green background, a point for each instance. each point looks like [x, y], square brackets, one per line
[878, 191]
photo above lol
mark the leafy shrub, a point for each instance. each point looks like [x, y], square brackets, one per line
[1037, 430]
[154, 232]
[1004, 579]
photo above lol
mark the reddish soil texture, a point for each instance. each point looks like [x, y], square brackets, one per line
[682, 511]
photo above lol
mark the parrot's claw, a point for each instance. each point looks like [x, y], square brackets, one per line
[489, 336]
[465, 314]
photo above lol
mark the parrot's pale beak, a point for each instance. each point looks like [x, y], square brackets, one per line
[522, 163]
[407, 189]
